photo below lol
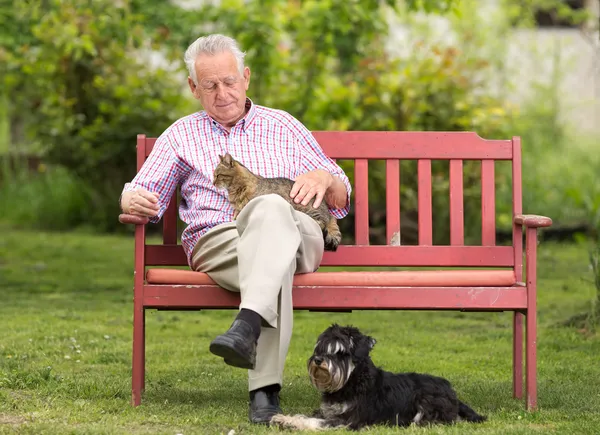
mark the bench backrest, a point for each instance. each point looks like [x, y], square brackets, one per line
[393, 147]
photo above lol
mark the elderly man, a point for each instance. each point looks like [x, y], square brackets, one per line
[258, 253]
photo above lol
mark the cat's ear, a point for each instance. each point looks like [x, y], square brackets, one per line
[228, 160]
[220, 158]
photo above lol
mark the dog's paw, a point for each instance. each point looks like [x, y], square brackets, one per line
[298, 422]
[279, 419]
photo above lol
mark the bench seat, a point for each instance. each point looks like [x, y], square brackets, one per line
[464, 290]
[425, 278]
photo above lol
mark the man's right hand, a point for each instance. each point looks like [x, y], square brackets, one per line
[140, 202]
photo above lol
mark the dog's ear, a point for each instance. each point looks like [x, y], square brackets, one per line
[363, 344]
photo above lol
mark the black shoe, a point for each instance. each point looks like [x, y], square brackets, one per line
[237, 346]
[263, 406]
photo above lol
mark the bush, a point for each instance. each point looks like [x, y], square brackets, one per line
[51, 198]
[90, 89]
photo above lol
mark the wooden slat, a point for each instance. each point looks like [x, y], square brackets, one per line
[170, 222]
[409, 256]
[425, 212]
[407, 145]
[369, 298]
[517, 242]
[143, 148]
[488, 203]
[457, 219]
[361, 201]
[392, 201]
[517, 206]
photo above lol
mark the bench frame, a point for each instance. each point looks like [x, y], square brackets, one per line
[334, 293]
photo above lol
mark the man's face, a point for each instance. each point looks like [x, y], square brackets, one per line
[221, 88]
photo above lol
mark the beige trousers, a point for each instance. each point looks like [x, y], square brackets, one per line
[258, 255]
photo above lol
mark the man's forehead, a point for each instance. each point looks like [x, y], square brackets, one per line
[219, 64]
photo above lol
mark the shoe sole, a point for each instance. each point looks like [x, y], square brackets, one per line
[225, 348]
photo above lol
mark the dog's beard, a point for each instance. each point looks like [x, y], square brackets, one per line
[330, 376]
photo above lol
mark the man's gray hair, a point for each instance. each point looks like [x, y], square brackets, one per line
[212, 44]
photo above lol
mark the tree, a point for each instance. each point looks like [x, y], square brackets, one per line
[80, 83]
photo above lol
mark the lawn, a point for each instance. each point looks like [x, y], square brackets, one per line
[65, 346]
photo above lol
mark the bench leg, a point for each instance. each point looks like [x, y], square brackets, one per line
[531, 362]
[138, 360]
[143, 375]
[518, 355]
[531, 316]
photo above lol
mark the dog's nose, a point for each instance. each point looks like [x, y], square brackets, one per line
[318, 360]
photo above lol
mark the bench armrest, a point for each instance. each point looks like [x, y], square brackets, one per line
[532, 221]
[133, 219]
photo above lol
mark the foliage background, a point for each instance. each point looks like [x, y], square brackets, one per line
[80, 79]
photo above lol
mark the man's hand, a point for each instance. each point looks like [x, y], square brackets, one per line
[311, 184]
[140, 202]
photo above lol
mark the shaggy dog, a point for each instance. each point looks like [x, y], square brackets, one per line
[356, 393]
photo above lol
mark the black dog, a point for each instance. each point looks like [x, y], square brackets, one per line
[356, 393]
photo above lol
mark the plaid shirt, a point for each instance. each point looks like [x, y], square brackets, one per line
[270, 142]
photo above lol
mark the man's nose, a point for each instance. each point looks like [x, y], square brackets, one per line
[221, 94]
[318, 360]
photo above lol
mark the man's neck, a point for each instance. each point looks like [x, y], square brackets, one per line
[230, 125]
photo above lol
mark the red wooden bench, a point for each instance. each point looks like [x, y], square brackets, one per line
[470, 285]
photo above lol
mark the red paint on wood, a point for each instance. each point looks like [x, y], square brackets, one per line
[353, 298]
[143, 149]
[533, 221]
[488, 203]
[409, 256]
[517, 206]
[392, 200]
[132, 219]
[425, 212]
[139, 323]
[517, 355]
[531, 341]
[457, 226]
[426, 278]
[361, 201]
[406, 145]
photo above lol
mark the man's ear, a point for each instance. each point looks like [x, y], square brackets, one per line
[246, 77]
[193, 87]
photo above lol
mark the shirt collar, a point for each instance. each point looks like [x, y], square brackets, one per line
[245, 122]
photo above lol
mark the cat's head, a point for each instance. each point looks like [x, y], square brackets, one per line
[226, 171]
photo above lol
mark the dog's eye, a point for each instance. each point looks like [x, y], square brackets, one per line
[336, 348]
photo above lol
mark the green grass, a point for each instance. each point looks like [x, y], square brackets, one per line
[65, 345]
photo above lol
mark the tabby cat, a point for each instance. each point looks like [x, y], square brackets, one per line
[242, 186]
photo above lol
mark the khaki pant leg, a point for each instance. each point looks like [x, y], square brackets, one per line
[258, 255]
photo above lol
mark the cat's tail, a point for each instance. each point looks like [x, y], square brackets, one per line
[332, 235]
[467, 414]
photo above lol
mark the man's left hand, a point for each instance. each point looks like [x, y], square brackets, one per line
[311, 184]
